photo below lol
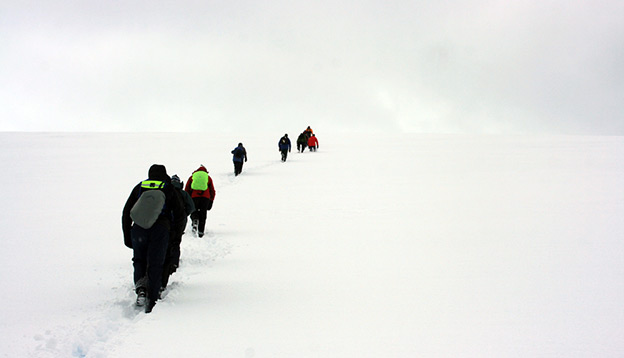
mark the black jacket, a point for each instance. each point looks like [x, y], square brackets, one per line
[302, 139]
[187, 201]
[240, 154]
[173, 217]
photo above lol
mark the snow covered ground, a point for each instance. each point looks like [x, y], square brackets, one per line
[375, 246]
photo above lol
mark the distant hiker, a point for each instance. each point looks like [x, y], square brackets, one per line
[151, 212]
[201, 188]
[172, 259]
[313, 143]
[302, 142]
[308, 131]
[240, 156]
[284, 146]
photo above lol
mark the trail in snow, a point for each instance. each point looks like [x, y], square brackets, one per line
[111, 318]
[92, 335]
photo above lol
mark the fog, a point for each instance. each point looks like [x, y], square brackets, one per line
[405, 66]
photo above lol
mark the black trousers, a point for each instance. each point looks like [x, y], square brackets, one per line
[150, 249]
[172, 259]
[238, 167]
[202, 205]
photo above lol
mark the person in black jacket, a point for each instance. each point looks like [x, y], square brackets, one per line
[284, 146]
[239, 156]
[302, 142]
[172, 259]
[150, 245]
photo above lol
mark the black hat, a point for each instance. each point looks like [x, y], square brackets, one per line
[158, 172]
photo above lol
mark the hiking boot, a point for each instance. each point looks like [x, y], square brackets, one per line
[195, 225]
[150, 306]
[201, 234]
[141, 296]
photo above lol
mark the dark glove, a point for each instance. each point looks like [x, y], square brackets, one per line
[209, 204]
[128, 241]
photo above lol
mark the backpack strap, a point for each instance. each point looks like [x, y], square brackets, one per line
[152, 184]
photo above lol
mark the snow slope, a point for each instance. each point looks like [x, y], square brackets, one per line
[375, 246]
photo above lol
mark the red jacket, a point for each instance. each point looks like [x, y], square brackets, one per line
[210, 193]
[313, 142]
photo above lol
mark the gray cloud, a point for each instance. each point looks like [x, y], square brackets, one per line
[474, 66]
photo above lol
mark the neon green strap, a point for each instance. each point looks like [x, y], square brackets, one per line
[152, 184]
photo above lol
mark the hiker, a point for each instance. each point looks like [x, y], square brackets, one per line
[240, 156]
[308, 131]
[201, 188]
[172, 259]
[313, 143]
[302, 142]
[151, 212]
[284, 146]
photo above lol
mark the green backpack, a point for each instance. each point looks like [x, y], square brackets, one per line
[200, 181]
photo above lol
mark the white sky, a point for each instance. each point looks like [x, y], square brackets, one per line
[474, 66]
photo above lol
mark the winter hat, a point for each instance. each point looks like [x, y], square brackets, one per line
[175, 181]
[158, 172]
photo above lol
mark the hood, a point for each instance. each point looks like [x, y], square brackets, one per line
[158, 172]
[175, 181]
[201, 169]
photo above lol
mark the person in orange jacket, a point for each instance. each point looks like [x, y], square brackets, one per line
[201, 188]
[313, 143]
[308, 132]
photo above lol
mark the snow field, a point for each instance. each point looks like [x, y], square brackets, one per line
[402, 246]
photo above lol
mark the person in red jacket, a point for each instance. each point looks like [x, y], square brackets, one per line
[201, 188]
[313, 143]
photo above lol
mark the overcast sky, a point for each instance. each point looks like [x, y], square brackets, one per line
[475, 66]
